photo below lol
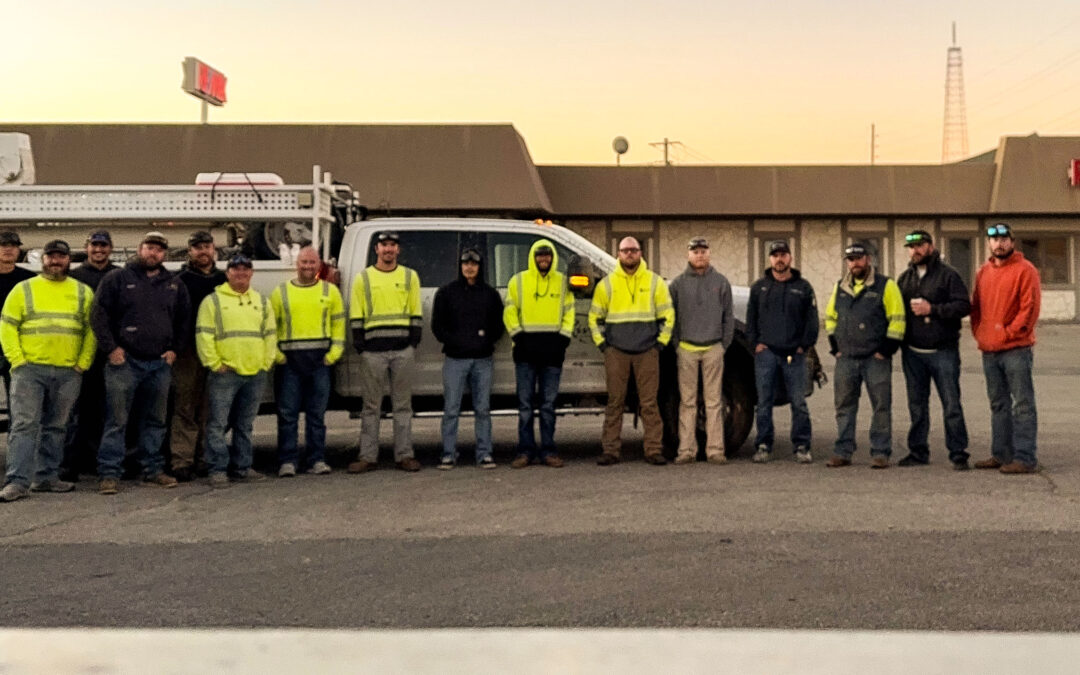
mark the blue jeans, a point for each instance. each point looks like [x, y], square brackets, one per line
[768, 366]
[234, 401]
[1013, 419]
[529, 377]
[307, 391]
[477, 374]
[848, 378]
[149, 382]
[42, 398]
[943, 369]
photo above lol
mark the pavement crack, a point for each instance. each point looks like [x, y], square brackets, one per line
[1050, 481]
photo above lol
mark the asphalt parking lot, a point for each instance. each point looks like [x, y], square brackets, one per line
[741, 545]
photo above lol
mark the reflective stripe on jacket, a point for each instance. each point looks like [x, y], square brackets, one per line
[539, 303]
[632, 313]
[309, 317]
[862, 315]
[236, 330]
[386, 304]
[47, 322]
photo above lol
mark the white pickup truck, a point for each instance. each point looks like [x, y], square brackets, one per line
[431, 246]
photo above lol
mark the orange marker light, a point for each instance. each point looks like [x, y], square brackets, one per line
[579, 281]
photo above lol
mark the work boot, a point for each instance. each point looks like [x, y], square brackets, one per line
[879, 462]
[520, 462]
[912, 460]
[362, 466]
[13, 491]
[554, 461]
[320, 468]
[409, 464]
[684, 459]
[718, 458]
[837, 460]
[162, 480]
[656, 459]
[108, 486]
[607, 459]
[991, 463]
[52, 486]
[249, 476]
[1011, 467]
[762, 455]
[961, 466]
[287, 470]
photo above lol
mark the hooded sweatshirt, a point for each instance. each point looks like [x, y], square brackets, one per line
[1005, 305]
[145, 315]
[703, 309]
[539, 312]
[467, 318]
[199, 285]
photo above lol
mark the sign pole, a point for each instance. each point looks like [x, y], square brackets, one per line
[205, 112]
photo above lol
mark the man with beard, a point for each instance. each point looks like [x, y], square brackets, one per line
[139, 317]
[782, 326]
[187, 432]
[88, 419]
[1004, 311]
[46, 336]
[935, 299]
[865, 323]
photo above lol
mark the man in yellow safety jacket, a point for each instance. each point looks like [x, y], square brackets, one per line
[385, 319]
[46, 336]
[310, 338]
[631, 320]
[236, 339]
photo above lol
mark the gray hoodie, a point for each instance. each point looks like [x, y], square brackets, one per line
[703, 309]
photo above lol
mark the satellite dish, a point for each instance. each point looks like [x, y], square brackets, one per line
[620, 145]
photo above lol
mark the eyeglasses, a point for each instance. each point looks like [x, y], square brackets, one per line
[915, 238]
[999, 230]
[629, 250]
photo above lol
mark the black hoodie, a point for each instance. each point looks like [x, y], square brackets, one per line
[467, 318]
[146, 315]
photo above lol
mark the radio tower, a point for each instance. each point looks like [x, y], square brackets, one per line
[954, 142]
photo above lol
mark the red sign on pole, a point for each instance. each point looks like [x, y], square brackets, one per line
[204, 82]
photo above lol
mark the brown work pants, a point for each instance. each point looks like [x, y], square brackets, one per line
[618, 366]
[187, 437]
[711, 365]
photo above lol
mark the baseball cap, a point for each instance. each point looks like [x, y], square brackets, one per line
[57, 246]
[543, 250]
[388, 236]
[471, 255]
[99, 237]
[779, 246]
[918, 237]
[10, 238]
[999, 230]
[200, 237]
[156, 238]
[698, 242]
[855, 251]
[239, 260]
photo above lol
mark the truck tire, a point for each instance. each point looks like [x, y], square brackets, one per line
[740, 397]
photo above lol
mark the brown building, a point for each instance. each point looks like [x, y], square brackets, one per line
[486, 170]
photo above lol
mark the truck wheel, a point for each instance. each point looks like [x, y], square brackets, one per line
[668, 400]
[740, 397]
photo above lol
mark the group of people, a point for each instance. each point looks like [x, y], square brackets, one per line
[93, 356]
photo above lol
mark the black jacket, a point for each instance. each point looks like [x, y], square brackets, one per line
[145, 315]
[943, 288]
[90, 275]
[199, 286]
[782, 315]
[466, 319]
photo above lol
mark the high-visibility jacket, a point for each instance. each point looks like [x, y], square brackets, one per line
[865, 316]
[47, 322]
[537, 303]
[384, 309]
[309, 317]
[236, 330]
[632, 312]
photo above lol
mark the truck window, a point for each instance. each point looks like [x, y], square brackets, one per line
[433, 255]
[509, 254]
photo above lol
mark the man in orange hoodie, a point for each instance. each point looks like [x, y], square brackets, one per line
[1004, 310]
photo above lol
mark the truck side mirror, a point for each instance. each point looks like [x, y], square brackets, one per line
[581, 276]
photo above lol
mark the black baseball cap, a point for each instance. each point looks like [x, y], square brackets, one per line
[57, 246]
[855, 250]
[388, 236]
[10, 238]
[543, 250]
[779, 246]
[999, 230]
[200, 237]
[471, 255]
[99, 237]
[697, 242]
[239, 260]
[917, 237]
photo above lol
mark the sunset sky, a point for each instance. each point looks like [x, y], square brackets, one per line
[794, 82]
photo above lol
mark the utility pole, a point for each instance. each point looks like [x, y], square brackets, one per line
[667, 145]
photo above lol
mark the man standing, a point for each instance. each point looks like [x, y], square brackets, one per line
[865, 322]
[386, 322]
[539, 316]
[46, 336]
[88, 420]
[935, 300]
[1004, 311]
[139, 315]
[10, 274]
[187, 434]
[310, 338]
[467, 319]
[631, 320]
[782, 325]
[236, 338]
[705, 327]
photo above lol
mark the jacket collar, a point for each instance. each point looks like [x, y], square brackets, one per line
[847, 284]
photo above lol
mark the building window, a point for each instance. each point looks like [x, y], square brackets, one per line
[959, 252]
[1050, 254]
